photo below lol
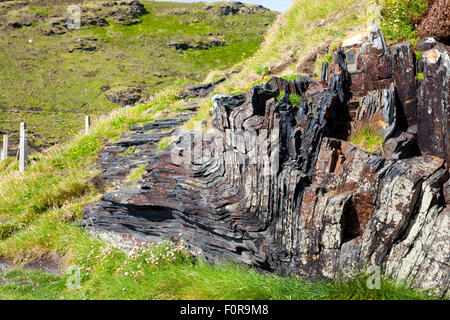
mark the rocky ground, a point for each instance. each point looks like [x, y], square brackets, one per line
[279, 186]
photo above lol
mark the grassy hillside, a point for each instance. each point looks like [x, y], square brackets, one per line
[50, 80]
[40, 209]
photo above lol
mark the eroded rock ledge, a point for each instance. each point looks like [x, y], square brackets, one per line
[278, 186]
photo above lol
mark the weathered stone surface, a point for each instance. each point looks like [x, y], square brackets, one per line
[368, 61]
[433, 108]
[274, 185]
[135, 148]
[405, 81]
[379, 107]
[201, 90]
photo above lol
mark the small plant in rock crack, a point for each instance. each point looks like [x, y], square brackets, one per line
[419, 54]
[262, 70]
[420, 76]
[295, 99]
[368, 138]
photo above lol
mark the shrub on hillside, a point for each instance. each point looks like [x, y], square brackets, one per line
[400, 17]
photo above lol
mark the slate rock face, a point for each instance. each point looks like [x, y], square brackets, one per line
[404, 71]
[367, 59]
[433, 102]
[276, 186]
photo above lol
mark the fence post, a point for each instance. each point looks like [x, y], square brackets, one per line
[23, 147]
[87, 124]
[325, 72]
[5, 148]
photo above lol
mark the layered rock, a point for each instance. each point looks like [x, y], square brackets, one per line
[433, 101]
[275, 185]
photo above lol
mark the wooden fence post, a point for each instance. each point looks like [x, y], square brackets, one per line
[325, 72]
[5, 148]
[87, 124]
[23, 147]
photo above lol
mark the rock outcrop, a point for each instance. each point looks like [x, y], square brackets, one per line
[234, 8]
[123, 95]
[201, 45]
[278, 186]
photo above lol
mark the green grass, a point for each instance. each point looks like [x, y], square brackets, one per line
[292, 77]
[262, 70]
[295, 99]
[136, 173]
[368, 138]
[418, 54]
[399, 18]
[65, 86]
[165, 271]
[420, 76]
[165, 143]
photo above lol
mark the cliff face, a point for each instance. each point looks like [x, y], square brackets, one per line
[279, 186]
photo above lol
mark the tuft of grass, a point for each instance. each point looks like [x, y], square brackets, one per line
[420, 76]
[368, 138]
[281, 95]
[356, 289]
[166, 271]
[418, 54]
[164, 143]
[295, 99]
[291, 77]
[328, 58]
[136, 173]
[262, 70]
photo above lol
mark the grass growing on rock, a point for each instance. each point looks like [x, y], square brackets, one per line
[136, 173]
[368, 138]
[295, 99]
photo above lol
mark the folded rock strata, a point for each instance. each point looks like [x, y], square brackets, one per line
[278, 187]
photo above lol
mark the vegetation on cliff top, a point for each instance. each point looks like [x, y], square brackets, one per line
[400, 17]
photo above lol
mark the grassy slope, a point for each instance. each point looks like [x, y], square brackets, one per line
[39, 210]
[298, 31]
[66, 85]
